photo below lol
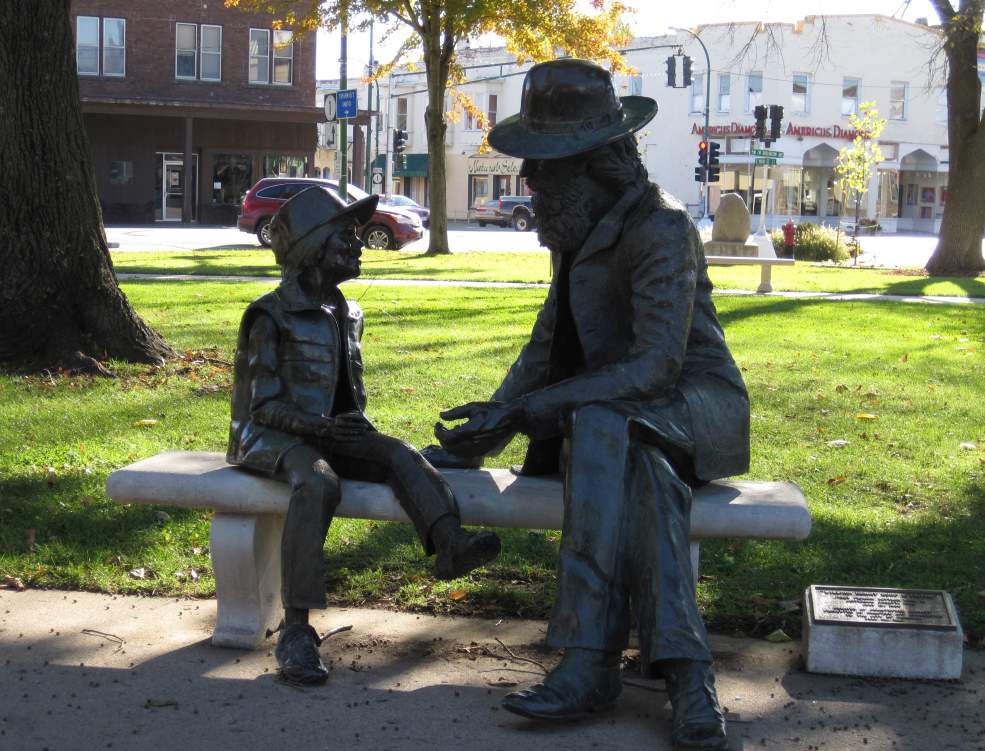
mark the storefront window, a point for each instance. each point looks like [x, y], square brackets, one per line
[232, 176]
[787, 181]
[120, 173]
[810, 192]
[285, 166]
[887, 204]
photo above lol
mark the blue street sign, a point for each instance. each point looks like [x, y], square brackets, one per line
[346, 104]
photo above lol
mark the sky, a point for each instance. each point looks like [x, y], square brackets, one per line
[651, 18]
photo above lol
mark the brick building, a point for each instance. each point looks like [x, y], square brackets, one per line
[190, 88]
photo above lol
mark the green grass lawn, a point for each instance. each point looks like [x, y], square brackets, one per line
[535, 267]
[902, 504]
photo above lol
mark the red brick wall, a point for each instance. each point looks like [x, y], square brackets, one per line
[150, 52]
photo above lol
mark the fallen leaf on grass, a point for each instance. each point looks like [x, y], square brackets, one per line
[837, 443]
[836, 480]
[14, 582]
[141, 573]
[904, 358]
[968, 446]
[841, 388]
[145, 423]
[457, 594]
[866, 416]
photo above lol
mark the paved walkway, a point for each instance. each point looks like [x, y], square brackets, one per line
[90, 671]
[827, 296]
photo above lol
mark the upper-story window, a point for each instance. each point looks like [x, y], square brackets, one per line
[198, 51]
[754, 90]
[636, 85]
[849, 96]
[493, 106]
[100, 46]
[282, 72]
[698, 92]
[898, 91]
[724, 92]
[402, 113]
[800, 93]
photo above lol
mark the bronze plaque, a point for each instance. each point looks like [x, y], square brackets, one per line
[888, 608]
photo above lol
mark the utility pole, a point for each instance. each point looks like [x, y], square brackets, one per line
[369, 114]
[343, 124]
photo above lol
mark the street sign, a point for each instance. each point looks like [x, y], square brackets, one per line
[377, 178]
[764, 160]
[767, 152]
[347, 104]
[330, 107]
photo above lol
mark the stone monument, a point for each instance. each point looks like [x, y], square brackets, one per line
[730, 233]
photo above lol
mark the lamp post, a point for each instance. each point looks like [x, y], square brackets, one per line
[707, 135]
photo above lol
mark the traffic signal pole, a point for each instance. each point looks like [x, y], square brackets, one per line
[707, 134]
[343, 124]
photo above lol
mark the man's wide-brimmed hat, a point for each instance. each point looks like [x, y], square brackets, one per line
[569, 107]
[301, 225]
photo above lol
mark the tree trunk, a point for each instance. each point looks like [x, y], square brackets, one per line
[437, 59]
[60, 305]
[959, 247]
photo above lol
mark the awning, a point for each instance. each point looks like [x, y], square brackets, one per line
[415, 165]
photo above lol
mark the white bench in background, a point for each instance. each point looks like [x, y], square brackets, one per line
[767, 264]
[250, 512]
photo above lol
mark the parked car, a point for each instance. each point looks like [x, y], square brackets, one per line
[390, 228]
[407, 204]
[504, 211]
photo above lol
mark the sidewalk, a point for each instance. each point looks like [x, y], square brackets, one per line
[93, 671]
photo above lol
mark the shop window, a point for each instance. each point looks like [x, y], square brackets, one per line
[898, 91]
[402, 113]
[232, 176]
[788, 180]
[754, 90]
[724, 92]
[850, 96]
[698, 92]
[890, 151]
[97, 54]
[800, 95]
[283, 57]
[636, 85]
[493, 106]
[887, 201]
[211, 52]
[259, 56]
[185, 50]
[285, 166]
[120, 173]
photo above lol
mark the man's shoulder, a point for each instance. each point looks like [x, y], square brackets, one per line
[658, 214]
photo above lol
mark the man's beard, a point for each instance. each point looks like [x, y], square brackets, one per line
[564, 213]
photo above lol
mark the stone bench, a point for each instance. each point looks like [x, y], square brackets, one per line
[766, 264]
[250, 511]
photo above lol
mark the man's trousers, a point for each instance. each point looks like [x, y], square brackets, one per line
[624, 548]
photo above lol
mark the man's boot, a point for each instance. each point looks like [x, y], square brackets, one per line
[586, 680]
[699, 724]
[458, 550]
[298, 659]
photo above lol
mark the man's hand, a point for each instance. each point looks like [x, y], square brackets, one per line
[346, 427]
[486, 426]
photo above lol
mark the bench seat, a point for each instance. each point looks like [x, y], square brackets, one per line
[766, 264]
[250, 511]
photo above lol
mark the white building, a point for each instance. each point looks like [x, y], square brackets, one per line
[820, 70]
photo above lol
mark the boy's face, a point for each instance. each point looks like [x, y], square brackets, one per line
[341, 252]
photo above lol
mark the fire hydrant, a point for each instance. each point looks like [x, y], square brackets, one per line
[789, 232]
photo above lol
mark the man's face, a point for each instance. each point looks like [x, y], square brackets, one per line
[341, 252]
[562, 201]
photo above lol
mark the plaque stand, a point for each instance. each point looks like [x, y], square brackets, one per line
[891, 633]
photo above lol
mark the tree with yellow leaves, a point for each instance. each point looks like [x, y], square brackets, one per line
[857, 160]
[535, 31]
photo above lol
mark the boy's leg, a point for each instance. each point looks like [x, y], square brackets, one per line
[424, 494]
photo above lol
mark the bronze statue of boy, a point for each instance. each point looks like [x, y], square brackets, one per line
[297, 415]
[627, 388]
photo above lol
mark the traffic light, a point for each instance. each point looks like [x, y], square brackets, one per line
[672, 71]
[702, 152]
[760, 113]
[776, 121]
[699, 174]
[399, 146]
[713, 169]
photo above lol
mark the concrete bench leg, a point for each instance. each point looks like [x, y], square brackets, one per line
[246, 561]
[765, 279]
[695, 562]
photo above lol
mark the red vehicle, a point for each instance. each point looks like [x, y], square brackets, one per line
[390, 228]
